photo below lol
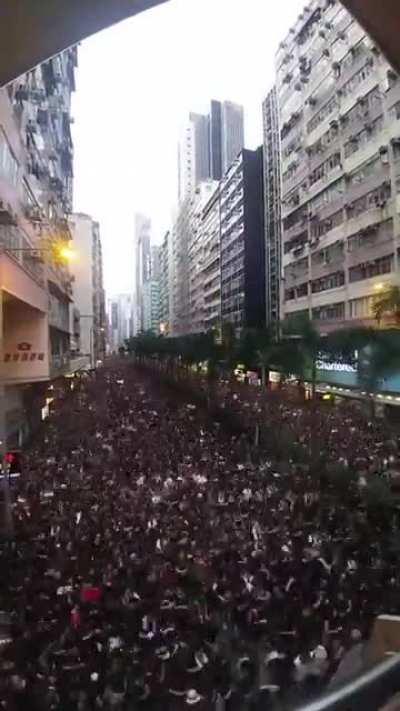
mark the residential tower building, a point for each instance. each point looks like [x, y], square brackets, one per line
[242, 242]
[339, 106]
[89, 297]
[272, 205]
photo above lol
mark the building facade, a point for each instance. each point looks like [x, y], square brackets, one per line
[232, 133]
[209, 144]
[151, 306]
[165, 285]
[210, 269]
[120, 316]
[193, 155]
[215, 140]
[272, 205]
[151, 293]
[142, 256]
[340, 147]
[242, 242]
[89, 296]
[36, 155]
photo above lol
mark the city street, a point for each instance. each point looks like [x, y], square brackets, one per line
[153, 568]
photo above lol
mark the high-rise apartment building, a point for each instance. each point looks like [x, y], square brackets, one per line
[193, 155]
[242, 242]
[272, 205]
[186, 262]
[151, 293]
[142, 255]
[165, 285]
[36, 155]
[340, 146]
[196, 247]
[232, 133]
[210, 269]
[215, 140]
[89, 296]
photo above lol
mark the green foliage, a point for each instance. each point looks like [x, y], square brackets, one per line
[387, 304]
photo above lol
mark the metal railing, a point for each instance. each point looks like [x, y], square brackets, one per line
[370, 691]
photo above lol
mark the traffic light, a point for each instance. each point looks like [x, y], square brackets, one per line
[14, 461]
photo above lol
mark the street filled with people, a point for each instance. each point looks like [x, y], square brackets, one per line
[158, 562]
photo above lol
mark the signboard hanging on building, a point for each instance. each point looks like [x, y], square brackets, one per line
[25, 355]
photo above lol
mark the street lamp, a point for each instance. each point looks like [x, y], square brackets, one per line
[61, 251]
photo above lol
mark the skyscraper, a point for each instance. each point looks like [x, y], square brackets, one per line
[193, 155]
[216, 140]
[272, 203]
[232, 133]
[208, 145]
[142, 264]
[242, 242]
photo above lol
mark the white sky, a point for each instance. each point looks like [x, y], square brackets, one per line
[136, 83]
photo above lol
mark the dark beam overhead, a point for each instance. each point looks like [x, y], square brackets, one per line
[381, 19]
[31, 31]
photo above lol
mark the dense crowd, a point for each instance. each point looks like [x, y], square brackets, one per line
[156, 566]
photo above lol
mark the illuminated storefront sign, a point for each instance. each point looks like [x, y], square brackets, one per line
[336, 366]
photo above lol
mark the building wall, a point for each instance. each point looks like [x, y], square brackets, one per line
[340, 128]
[36, 154]
[193, 154]
[142, 257]
[210, 267]
[242, 242]
[272, 205]
[165, 285]
[232, 119]
[216, 140]
[88, 285]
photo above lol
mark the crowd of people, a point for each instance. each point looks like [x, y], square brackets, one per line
[155, 565]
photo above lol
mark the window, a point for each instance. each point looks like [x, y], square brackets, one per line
[367, 270]
[361, 110]
[333, 192]
[394, 112]
[357, 79]
[8, 163]
[331, 312]
[325, 168]
[363, 137]
[322, 228]
[332, 281]
[375, 198]
[322, 114]
[295, 242]
[370, 235]
[361, 308]
[365, 172]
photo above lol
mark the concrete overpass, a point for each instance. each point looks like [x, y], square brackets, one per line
[31, 31]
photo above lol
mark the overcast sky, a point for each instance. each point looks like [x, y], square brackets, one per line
[136, 83]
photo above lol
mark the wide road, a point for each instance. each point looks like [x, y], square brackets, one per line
[155, 569]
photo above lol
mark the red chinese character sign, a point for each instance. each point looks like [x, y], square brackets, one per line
[25, 356]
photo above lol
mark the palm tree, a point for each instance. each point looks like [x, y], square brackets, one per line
[387, 303]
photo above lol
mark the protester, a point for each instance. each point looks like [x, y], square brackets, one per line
[156, 567]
